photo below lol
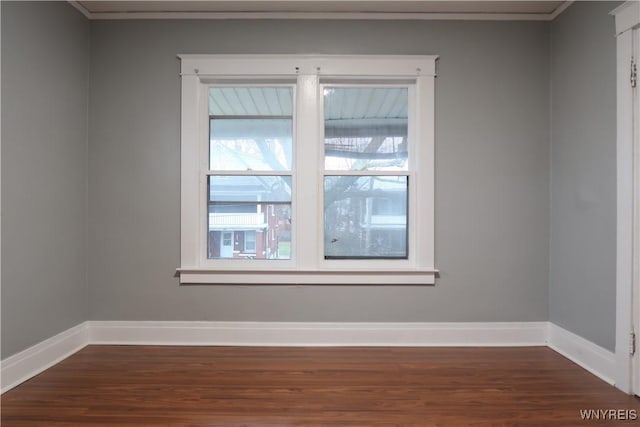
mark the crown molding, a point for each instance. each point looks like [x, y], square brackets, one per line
[82, 9]
[382, 16]
[553, 15]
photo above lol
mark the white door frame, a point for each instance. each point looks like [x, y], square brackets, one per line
[635, 278]
[627, 18]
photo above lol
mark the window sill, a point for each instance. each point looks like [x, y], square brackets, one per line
[312, 277]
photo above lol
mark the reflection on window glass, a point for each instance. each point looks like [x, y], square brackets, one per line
[249, 188]
[365, 217]
[250, 144]
[365, 128]
[250, 128]
[249, 217]
[250, 101]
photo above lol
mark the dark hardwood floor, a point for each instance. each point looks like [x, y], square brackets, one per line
[233, 386]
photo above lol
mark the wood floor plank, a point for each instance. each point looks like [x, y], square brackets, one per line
[261, 386]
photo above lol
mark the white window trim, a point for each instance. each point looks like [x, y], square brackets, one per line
[307, 266]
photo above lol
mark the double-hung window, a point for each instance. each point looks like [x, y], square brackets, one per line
[249, 172]
[307, 169]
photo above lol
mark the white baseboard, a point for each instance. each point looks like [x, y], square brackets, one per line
[319, 334]
[30, 362]
[595, 359]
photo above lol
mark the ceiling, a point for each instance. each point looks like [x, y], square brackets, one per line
[403, 9]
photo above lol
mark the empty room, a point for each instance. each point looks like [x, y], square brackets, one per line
[310, 212]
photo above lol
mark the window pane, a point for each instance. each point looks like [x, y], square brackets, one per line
[249, 217]
[250, 101]
[365, 128]
[250, 128]
[250, 144]
[365, 217]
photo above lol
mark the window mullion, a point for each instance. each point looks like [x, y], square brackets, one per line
[307, 186]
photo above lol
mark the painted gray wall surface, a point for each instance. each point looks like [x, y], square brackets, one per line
[583, 173]
[45, 59]
[492, 157]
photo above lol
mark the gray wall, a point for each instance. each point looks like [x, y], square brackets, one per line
[582, 290]
[492, 186]
[45, 59]
[493, 162]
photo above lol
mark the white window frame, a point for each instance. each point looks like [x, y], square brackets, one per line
[308, 74]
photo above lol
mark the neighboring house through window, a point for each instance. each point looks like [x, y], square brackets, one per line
[302, 169]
